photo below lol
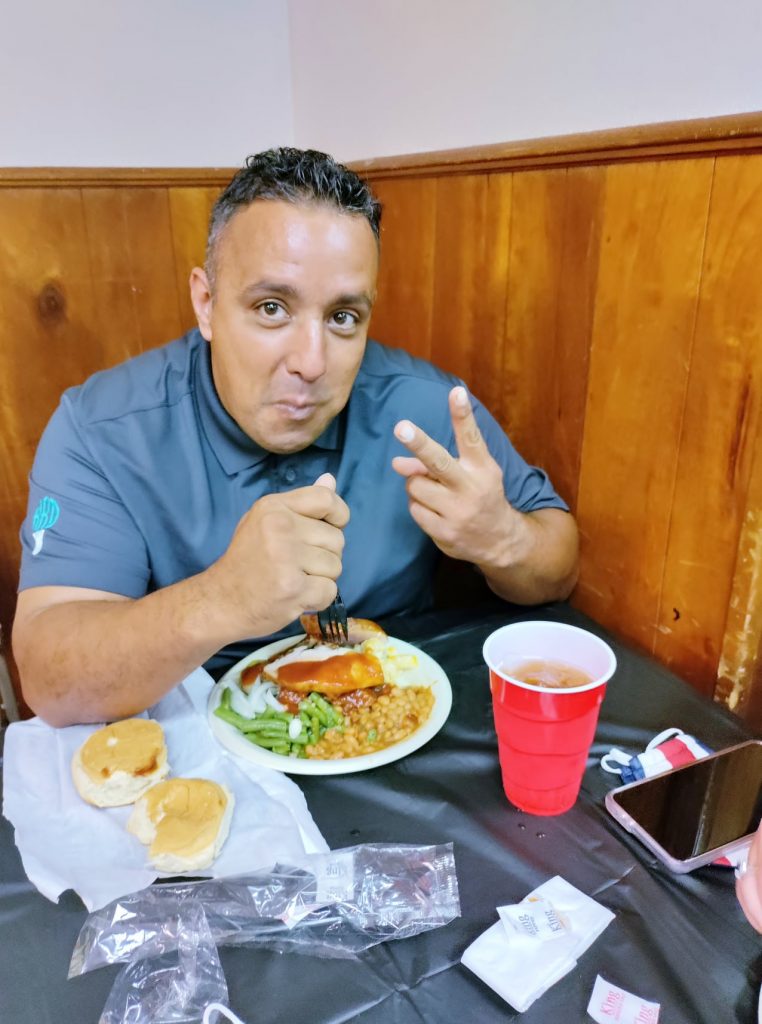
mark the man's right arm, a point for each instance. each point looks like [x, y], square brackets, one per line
[92, 656]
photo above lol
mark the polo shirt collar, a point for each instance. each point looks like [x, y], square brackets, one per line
[234, 449]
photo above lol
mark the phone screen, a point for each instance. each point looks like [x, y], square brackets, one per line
[702, 805]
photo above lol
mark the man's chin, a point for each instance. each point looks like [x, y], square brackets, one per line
[285, 439]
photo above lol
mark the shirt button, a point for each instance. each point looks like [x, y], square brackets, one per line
[289, 475]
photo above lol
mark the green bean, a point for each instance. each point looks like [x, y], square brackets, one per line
[321, 702]
[228, 715]
[282, 716]
[269, 742]
[265, 725]
[316, 711]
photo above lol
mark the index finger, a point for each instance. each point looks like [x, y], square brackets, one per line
[468, 438]
[436, 459]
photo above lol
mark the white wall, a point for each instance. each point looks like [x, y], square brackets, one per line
[200, 83]
[142, 82]
[383, 77]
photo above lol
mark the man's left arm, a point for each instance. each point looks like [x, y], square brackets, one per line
[460, 502]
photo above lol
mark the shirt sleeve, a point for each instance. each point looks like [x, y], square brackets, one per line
[77, 531]
[527, 488]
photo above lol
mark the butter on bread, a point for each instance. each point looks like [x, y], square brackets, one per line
[119, 762]
[184, 822]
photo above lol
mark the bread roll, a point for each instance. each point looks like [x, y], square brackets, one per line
[184, 822]
[119, 762]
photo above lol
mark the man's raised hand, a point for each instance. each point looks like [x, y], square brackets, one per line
[459, 502]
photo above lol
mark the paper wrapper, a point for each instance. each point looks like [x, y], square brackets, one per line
[66, 843]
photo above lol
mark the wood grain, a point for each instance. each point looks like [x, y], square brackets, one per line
[555, 233]
[470, 276]
[567, 385]
[648, 280]
[712, 577]
[403, 312]
[190, 209]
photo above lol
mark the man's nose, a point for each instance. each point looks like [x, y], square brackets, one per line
[307, 354]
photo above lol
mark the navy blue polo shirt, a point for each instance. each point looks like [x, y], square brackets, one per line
[141, 477]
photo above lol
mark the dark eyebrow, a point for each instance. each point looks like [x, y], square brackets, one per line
[260, 288]
[357, 299]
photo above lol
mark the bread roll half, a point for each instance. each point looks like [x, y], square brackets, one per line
[184, 822]
[119, 762]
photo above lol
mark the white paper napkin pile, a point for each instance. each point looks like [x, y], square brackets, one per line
[536, 942]
[67, 844]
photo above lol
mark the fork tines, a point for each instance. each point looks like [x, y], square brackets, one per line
[333, 622]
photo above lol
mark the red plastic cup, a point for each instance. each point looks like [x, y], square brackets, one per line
[544, 734]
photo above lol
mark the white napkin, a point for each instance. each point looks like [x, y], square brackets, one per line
[520, 966]
[66, 843]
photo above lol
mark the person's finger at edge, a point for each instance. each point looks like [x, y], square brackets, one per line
[749, 896]
[468, 437]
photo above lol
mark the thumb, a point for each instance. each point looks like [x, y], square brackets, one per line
[326, 480]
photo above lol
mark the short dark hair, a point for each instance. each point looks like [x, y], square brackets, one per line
[295, 176]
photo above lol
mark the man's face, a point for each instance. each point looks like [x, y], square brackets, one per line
[288, 320]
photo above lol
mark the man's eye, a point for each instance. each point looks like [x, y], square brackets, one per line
[271, 309]
[343, 318]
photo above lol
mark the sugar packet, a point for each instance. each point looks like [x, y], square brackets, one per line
[536, 942]
[610, 1003]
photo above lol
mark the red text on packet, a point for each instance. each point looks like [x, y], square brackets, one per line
[612, 1004]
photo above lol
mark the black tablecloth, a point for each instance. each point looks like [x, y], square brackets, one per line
[678, 940]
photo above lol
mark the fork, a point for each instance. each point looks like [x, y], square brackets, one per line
[333, 622]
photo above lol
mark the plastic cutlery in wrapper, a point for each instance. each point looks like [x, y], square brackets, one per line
[330, 905]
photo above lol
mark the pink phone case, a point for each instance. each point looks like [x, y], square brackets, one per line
[681, 866]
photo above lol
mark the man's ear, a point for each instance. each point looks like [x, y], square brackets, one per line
[201, 297]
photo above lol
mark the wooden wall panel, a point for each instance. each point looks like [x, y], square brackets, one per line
[534, 275]
[470, 275]
[88, 278]
[190, 209]
[653, 234]
[406, 279]
[714, 534]
[555, 233]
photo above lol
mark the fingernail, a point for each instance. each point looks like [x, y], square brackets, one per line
[405, 431]
[461, 397]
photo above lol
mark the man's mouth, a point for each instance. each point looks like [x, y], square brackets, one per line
[295, 408]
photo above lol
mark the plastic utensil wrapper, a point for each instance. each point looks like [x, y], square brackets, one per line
[330, 905]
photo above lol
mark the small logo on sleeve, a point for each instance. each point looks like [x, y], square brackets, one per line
[45, 515]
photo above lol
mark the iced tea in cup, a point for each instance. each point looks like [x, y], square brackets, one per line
[548, 681]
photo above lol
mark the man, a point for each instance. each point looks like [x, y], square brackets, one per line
[210, 491]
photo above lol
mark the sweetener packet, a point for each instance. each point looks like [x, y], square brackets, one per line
[536, 917]
[612, 1003]
[536, 942]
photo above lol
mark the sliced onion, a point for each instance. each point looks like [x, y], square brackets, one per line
[294, 728]
[241, 702]
[272, 700]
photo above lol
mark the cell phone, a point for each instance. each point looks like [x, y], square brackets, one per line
[699, 812]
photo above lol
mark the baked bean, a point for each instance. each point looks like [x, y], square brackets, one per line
[391, 718]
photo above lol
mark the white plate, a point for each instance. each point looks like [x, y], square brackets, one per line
[426, 673]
